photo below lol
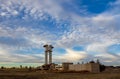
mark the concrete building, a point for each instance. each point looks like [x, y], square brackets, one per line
[91, 67]
[58, 67]
[65, 65]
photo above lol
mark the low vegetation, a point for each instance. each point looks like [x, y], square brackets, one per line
[30, 73]
[25, 72]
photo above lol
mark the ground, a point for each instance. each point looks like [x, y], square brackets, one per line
[38, 74]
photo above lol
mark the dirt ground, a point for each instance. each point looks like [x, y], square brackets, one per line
[26, 74]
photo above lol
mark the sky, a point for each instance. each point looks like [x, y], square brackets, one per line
[79, 30]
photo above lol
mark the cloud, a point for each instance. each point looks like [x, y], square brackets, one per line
[70, 56]
[30, 24]
[37, 9]
[22, 37]
[101, 50]
[8, 55]
[96, 32]
[95, 28]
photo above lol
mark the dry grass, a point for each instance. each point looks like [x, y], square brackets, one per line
[26, 74]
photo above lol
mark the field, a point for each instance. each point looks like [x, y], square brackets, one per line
[38, 74]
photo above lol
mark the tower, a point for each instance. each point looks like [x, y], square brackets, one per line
[48, 54]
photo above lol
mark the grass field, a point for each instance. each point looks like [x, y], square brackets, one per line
[26, 74]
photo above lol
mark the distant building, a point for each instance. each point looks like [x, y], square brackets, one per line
[65, 65]
[91, 67]
[58, 67]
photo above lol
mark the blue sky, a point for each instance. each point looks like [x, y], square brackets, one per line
[80, 30]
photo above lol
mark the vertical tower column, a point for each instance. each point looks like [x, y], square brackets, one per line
[46, 57]
[50, 57]
[48, 51]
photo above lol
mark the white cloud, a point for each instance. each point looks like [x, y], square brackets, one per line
[91, 29]
[101, 50]
[9, 56]
[37, 9]
[99, 47]
[71, 56]
[97, 32]
[3, 14]
[21, 37]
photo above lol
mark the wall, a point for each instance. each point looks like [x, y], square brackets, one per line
[91, 67]
[65, 65]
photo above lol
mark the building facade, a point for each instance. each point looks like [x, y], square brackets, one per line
[91, 67]
[65, 66]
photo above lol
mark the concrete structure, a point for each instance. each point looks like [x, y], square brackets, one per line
[59, 67]
[91, 67]
[48, 52]
[65, 65]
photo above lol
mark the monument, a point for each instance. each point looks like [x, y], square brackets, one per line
[48, 54]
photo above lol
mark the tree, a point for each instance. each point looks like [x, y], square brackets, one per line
[102, 68]
[2, 67]
[30, 68]
[20, 66]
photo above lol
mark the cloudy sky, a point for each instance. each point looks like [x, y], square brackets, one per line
[79, 30]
